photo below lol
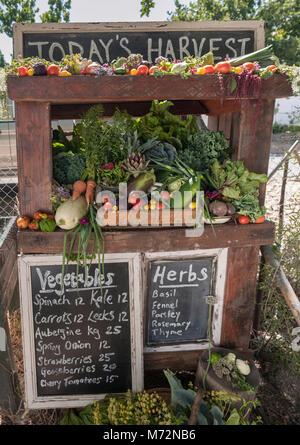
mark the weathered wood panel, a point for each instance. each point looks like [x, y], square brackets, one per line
[92, 89]
[226, 235]
[239, 299]
[251, 136]
[34, 154]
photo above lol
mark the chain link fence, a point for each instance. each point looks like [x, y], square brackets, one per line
[8, 169]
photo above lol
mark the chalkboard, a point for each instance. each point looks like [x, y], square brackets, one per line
[177, 305]
[104, 42]
[81, 333]
[104, 47]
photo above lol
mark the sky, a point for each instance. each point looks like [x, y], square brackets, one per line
[101, 11]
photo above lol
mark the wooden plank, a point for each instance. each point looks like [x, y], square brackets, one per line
[251, 136]
[228, 235]
[76, 111]
[74, 30]
[92, 89]
[183, 360]
[239, 297]
[34, 154]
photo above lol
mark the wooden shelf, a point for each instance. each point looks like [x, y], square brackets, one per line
[91, 89]
[156, 240]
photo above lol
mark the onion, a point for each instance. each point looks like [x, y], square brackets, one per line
[218, 208]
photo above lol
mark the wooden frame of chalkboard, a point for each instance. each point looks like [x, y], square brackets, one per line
[105, 41]
[50, 335]
[174, 329]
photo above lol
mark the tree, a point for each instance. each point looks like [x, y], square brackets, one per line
[281, 17]
[59, 10]
[25, 11]
[2, 61]
[16, 11]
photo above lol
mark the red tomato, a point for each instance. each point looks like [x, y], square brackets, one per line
[51, 216]
[104, 199]
[23, 222]
[92, 68]
[272, 68]
[152, 69]
[53, 70]
[209, 69]
[164, 68]
[260, 220]
[142, 70]
[33, 225]
[133, 198]
[249, 66]
[22, 71]
[160, 205]
[223, 67]
[107, 206]
[244, 219]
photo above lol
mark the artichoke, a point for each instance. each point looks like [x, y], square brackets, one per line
[136, 163]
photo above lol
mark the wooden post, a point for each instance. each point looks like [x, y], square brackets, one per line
[33, 138]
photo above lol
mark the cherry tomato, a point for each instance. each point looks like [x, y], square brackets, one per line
[107, 206]
[160, 206]
[30, 72]
[272, 68]
[165, 195]
[249, 66]
[92, 68]
[133, 198]
[142, 70]
[23, 222]
[53, 70]
[152, 69]
[22, 71]
[260, 220]
[223, 67]
[164, 68]
[50, 216]
[244, 219]
[133, 72]
[209, 69]
[201, 70]
[33, 225]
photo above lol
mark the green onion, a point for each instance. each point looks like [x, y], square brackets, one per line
[261, 56]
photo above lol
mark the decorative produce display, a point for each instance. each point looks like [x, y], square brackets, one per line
[234, 370]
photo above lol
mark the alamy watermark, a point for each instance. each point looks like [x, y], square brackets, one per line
[161, 209]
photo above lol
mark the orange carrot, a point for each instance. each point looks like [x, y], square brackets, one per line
[79, 187]
[90, 191]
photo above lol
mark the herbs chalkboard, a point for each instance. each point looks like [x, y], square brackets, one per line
[177, 307]
[81, 332]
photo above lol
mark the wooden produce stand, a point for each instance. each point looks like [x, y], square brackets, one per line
[38, 101]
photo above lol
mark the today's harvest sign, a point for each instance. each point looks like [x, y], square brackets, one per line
[104, 42]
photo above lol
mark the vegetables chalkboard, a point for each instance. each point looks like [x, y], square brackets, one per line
[81, 333]
[177, 308]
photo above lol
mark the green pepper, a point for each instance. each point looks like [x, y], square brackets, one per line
[186, 192]
[47, 225]
[120, 71]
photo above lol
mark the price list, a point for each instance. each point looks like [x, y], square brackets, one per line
[81, 329]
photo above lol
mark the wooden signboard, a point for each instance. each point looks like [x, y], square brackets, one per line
[180, 287]
[80, 342]
[103, 42]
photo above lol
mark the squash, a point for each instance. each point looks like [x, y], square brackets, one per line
[69, 213]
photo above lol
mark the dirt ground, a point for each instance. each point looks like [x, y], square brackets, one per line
[279, 393]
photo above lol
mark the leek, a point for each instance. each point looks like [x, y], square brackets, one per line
[263, 56]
